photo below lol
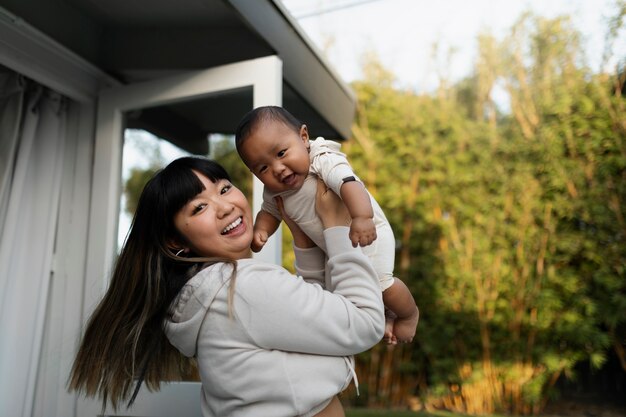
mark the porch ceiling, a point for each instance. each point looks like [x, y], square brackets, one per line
[138, 40]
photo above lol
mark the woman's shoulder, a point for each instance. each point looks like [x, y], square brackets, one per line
[244, 267]
[253, 273]
[251, 267]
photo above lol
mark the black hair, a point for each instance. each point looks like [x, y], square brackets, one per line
[253, 118]
[124, 342]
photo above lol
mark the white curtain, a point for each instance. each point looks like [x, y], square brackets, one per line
[32, 125]
[11, 104]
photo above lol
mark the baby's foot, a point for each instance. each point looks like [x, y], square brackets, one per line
[389, 337]
[404, 328]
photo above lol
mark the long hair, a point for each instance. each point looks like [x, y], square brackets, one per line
[124, 342]
[255, 117]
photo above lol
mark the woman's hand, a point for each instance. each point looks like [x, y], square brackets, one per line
[300, 239]
[330, 208]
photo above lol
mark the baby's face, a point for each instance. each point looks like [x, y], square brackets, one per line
[277, 155]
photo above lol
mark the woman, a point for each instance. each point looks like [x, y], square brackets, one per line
[267, 343]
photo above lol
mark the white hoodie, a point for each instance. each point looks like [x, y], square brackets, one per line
[282, 353]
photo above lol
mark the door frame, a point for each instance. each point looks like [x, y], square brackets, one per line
[264, 76]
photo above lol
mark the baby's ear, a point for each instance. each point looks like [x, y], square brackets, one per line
[304, 134]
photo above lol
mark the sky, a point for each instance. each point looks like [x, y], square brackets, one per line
[402, 32]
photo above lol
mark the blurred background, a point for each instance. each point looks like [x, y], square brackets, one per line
[493, 134]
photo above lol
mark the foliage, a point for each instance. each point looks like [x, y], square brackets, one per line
[225, 153]
[134, 185]
[389, 413]
[510, 223]
[138, 176]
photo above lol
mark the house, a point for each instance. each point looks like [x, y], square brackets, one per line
[73, 75]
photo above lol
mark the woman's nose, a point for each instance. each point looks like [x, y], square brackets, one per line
[223, 207]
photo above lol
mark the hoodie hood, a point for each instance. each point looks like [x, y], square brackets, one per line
[182, 324]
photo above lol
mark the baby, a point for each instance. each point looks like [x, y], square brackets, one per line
[275, 146]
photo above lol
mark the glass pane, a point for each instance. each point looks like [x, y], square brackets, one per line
[142, 156]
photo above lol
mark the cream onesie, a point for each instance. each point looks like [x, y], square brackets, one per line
[332, 166]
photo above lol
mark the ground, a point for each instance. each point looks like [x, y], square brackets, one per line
[577, 409]
[558, 409]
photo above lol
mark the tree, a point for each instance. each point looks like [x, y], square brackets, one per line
[511, 225]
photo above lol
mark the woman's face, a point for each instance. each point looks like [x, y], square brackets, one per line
[217, 222]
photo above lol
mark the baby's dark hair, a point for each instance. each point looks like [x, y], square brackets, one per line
[254, 118]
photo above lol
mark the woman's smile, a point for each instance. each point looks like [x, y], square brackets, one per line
[235, 228]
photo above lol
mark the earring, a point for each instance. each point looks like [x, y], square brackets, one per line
[179, 252]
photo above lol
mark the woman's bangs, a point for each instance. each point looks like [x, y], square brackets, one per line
[213, 172]
[184, 185]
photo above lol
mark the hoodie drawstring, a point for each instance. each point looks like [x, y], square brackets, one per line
[350, 363]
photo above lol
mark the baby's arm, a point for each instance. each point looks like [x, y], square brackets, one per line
[264, 226]
[357, 200]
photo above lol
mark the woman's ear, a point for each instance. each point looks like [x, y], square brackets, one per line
[175, 247]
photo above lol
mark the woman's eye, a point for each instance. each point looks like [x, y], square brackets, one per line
[225, 188]
[262, 170]
[197, 208]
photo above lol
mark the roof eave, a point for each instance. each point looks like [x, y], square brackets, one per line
[306, 70]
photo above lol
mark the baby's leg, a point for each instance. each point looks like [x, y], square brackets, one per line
[384, 268]
[390, 318]
[334, 409]
[399, 300]
[401, 312]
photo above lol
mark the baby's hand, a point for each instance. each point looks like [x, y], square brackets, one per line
[259, 240]
[362, 231]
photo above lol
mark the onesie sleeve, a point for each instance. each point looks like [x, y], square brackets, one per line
[269, 205]
[332, 166]
[281, 312]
